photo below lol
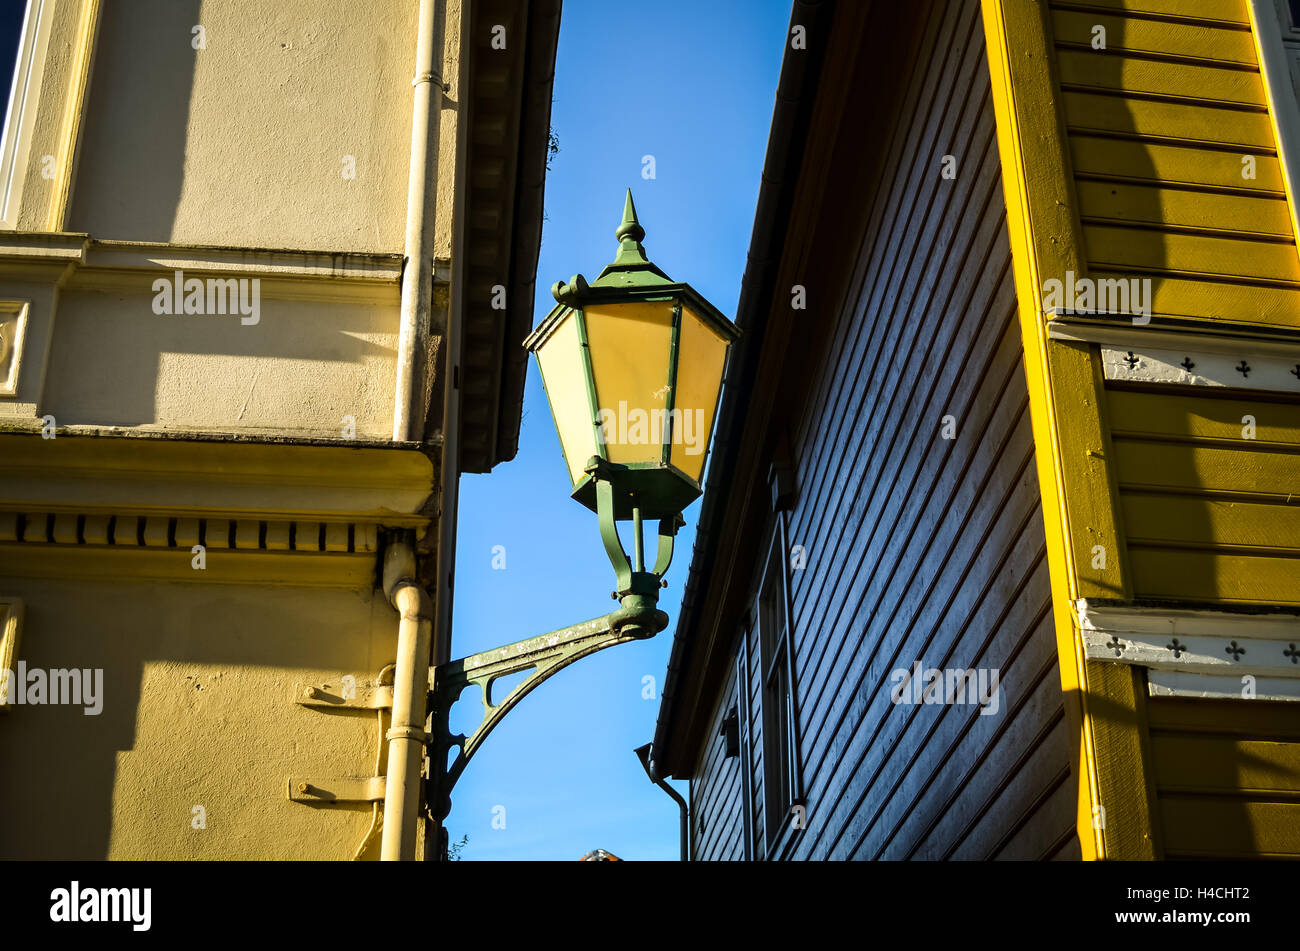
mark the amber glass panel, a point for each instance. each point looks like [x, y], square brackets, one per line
[630, 345]
[703, 352]
[565, 378]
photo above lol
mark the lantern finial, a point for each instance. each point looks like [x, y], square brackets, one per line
[629, 235]
[630, 267]
[630, 228]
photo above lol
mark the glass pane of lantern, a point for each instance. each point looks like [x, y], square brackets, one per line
[565, 378]
[699, 377]
[630, 347]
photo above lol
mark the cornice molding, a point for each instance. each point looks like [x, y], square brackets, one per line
[82, 263]
[83, 475]
[212, 550]
[355, 571]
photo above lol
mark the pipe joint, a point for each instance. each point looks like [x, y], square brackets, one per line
[407, 733]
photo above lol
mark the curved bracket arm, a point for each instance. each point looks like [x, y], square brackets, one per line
[667, 533]
[609, 533]
[546, 655]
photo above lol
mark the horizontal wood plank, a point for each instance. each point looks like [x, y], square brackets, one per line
[1211, 523]
[1214, 576]
[1123, 203]
[1173, 122]
[1196, 414]
[1116, 248]
[1229, 827]
[1221, 303]
[1141, 463]
[1215, 43]
[1127, 160]
[1214, 11]
[1224, 764]
[1092, 69]
[1259, 719]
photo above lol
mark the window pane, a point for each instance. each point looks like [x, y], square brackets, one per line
[12, 13]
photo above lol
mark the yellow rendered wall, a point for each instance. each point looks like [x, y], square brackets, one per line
[244, 141]
[197, 711]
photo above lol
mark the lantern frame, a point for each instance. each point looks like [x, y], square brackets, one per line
[658, 489]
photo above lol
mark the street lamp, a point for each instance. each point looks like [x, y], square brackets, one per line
[632, 365]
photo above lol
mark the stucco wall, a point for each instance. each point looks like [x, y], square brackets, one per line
[300, 370]
[242, 143]
[197, 710]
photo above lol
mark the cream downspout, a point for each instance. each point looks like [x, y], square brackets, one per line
[421, 196]
[406, 736]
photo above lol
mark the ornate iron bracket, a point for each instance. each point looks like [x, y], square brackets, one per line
[547, 654]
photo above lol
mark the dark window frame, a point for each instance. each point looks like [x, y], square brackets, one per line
[771, 616]
[746, 741]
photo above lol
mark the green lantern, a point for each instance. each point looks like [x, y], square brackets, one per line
[632, 364]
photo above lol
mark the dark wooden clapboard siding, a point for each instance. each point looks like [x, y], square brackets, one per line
[716, 819]
[909, 493]
[1227, 777]
[921, 547]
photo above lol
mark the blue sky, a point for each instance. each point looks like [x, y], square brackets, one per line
[692, 84]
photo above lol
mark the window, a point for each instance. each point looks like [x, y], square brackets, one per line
[746, 762]
[781, 783]
[11, 623]
[24, 36]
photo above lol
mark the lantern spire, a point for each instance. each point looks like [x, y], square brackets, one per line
[630, 266]
[629, 235]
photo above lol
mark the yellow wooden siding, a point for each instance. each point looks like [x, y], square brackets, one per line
[1227, 776]
[1143, 178]
[1231, 12]
[1158, 124]
[1209, 515]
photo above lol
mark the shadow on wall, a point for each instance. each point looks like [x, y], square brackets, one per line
[1129, 198]
[195, 709]
[129, 181]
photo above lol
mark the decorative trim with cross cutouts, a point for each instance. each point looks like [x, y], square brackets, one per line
[1197, 653]
[1145, 355]
[1191, 368]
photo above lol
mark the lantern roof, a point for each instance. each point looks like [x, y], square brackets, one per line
[631, 267]
[630, 276]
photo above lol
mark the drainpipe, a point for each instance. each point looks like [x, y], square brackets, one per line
[648, 764]
[406, 737]
[421, 196]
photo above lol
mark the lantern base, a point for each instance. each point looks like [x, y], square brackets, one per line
[659, 489]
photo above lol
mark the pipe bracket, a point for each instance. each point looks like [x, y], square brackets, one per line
[337, 789]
